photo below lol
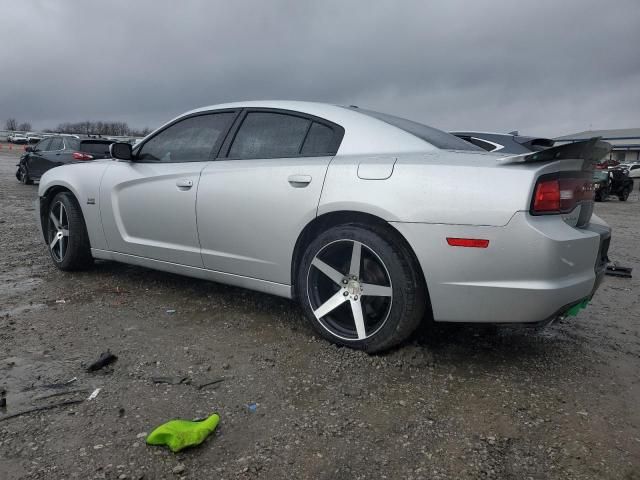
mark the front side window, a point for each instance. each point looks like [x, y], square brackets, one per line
[189, 140]
[43, 145]
[269, 135]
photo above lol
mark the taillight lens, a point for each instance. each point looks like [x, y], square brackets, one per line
[560, 193]
[82, 156]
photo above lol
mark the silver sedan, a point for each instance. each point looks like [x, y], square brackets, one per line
[372, 222]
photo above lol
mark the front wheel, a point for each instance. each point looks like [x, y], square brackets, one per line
[361, 288]
[66, 234]
[23, 175]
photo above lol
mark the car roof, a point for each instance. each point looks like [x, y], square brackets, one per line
[363, 134]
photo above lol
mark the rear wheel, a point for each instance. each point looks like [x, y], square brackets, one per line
[359, 287]
[624, 195]
[66, 234]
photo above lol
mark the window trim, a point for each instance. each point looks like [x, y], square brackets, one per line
[214, 150]
[338, 130]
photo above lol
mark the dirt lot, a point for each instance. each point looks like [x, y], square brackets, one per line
[457, 402]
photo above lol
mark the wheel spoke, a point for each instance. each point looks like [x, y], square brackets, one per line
[331, 304]
[375, 290]
[61, 210]
[54, 219]
[356, 308]
[354, 269]
[329, 271]
[65, 232]
[61, 244]
[53, 242]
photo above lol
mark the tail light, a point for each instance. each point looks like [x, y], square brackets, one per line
[561, 193]
[82, 156]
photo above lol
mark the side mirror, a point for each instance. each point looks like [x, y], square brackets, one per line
[29, 149]
[121, 151]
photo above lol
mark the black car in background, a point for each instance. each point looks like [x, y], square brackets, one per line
[612, 182]
[505, 142]
[58, 150]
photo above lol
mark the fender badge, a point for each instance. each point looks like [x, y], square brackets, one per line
[91, 201]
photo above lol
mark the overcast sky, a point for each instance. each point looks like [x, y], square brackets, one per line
[541, 67]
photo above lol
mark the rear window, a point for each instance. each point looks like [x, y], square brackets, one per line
[98, 148]
[435, 137]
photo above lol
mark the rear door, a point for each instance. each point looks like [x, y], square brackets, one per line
[148, 206]
[256, 198]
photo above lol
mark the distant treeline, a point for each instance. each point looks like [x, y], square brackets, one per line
[95, 128]
[100, 128]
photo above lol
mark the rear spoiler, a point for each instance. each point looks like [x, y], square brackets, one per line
[591, 151]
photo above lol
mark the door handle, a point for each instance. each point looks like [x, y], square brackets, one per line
[184, 184]
[299, 181]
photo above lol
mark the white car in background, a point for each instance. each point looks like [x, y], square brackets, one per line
[632, 168]
[17, 138]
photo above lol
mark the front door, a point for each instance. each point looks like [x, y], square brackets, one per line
[254, 201]
[36, 158]
[148, 205]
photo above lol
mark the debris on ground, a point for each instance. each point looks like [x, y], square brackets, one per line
[171, 311]
[61, 384]
[3, 398]
[106, 358]
[61, 301]
[180, 434]
[94, 394]
[170, 380]
[39, 409]
[207, 383]
[252, 406]
[616, 270]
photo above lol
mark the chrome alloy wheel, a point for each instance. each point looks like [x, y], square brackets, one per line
[58, 231]
[353, 305]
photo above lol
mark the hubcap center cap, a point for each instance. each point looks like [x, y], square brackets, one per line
[353, 287]
[59, 234]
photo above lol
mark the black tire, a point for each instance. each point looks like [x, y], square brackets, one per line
[624, 195]
[71, 251]
[388, 318]
[23, 175]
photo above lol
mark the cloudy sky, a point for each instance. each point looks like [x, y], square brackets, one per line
[541, 67]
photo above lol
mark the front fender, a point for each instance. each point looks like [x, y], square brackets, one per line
[83, 181]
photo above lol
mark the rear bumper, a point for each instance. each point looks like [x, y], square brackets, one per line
[534, 269]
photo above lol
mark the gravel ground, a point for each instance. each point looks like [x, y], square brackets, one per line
[456, 402]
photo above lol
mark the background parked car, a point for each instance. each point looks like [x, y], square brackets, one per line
[632, 169]
[611, 182]
[58, 150]
[33, 137]
[18, 138]
[505, 142]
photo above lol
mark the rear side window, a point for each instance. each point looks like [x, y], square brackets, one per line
[320, 141]
[56, 144]
[189, 140]
[435, 137]
[269, 135]
[98, 148]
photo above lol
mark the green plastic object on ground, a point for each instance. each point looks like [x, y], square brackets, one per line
[573, 311]
[180, 434]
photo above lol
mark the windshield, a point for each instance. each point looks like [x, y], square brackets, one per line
[435, 137]
[600, 175]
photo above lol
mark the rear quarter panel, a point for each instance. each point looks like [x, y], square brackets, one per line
[442, 187]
